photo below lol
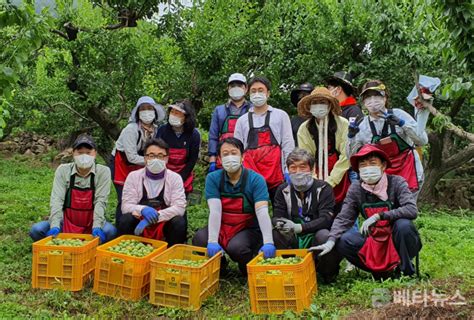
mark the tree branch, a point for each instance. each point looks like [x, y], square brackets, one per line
[459, 158]
[70, 109]
[60, 33]
[449, 126]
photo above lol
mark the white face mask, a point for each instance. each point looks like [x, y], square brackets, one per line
[370, 174]
[231, 163]
[319, 110]
[175, 121]
[147, 116]
[374, 104]
[156, 165]
[236, 93]
[258, 99]
[301, 181]
[84, 161]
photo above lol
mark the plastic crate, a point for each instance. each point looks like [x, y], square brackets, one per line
[122, 276]
[291, 289]
[61, 267]
[183, 286]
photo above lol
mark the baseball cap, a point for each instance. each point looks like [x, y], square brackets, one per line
[85, 140]
[237, 77]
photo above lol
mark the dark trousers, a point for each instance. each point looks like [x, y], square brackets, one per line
[327, 266]
[242, 248]
[271, 193]
[175, 230]
[119, 190]
[405, 238]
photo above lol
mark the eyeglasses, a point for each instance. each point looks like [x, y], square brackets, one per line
[152, 156]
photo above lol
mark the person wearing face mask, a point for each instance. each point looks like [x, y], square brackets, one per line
[341, 87]
[388, 239]
[239, 223]
[267, 136]
[295, 96]
[79, 196]
[324, 135]
[304, 211]
[183, 139]
[394, 130]
[127, 155]
[225, 116]
[154, 201]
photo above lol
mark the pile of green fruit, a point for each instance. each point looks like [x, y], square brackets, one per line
[187, 263]
[279, 261]
[132, 248]
[66, 242]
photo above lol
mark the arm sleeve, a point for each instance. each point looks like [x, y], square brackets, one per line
[305, 141]
[287, 142]
[177, 199]
[214, 133]
[325, 212]
[193, 155]
[215, 218]
[129, 138]
[259, 189]
[238, 133]
[342, 164]
[102, 191]
[407, 204]
[280, 208]
[264, 222]
[131, 195]
[212, 186]
[58, 194]
[410, 128]
[346, 218]
[421, 119]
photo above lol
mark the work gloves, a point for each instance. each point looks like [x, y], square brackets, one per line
[287, 177]
[150, 215]
[98, 232]
[364, 230]
[324, 248]
[353, 129]
[212, 167]
[287, 226]
[393, 120]
[140, 227]
[268, 250]
[53, 232]
[213, 248]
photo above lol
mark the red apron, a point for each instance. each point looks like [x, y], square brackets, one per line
[400, 153]
[227, 131]
[237, 211]
[122, 166]
[154, 231]
[378, 252]
[178, 158]
[79, 207]
[263, 153]
[340, 190]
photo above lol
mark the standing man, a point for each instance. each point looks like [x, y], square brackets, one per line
[267, 136]
[239, 223]
[225, 116]
[79, 196]
[296, 95]
[341, 88]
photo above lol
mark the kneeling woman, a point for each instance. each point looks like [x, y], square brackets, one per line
[184, 141]
[154, 202]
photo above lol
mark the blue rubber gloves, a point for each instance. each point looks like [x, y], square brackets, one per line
[53, 232]
[150, 215]
[287, 177]
[353, 129]
[213, 248]
[212, 167]
[141, 226]
[98, 232]
[269, 250]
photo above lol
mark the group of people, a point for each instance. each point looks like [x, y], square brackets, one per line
[346, 166]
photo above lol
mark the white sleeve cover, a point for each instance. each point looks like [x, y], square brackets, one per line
[265, 224]
[215, 217]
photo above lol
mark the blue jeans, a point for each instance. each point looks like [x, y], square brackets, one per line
[40, 229]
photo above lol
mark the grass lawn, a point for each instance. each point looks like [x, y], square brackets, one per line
[25, 185]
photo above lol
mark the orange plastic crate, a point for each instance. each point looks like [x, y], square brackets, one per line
[61, 267]
[129, 280]
[183, 286]
[291, 289]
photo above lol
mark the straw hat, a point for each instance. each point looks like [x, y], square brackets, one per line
[320, 94]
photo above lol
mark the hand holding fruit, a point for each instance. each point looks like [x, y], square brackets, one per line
[324, 248]
[269, 250]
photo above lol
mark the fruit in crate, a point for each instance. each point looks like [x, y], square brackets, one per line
[66, 242]
[187, 263]
[279, 261]
[132, 248]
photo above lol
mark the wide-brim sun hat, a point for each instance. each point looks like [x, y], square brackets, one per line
[320, 94]
[344, 79]
[365, 151]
